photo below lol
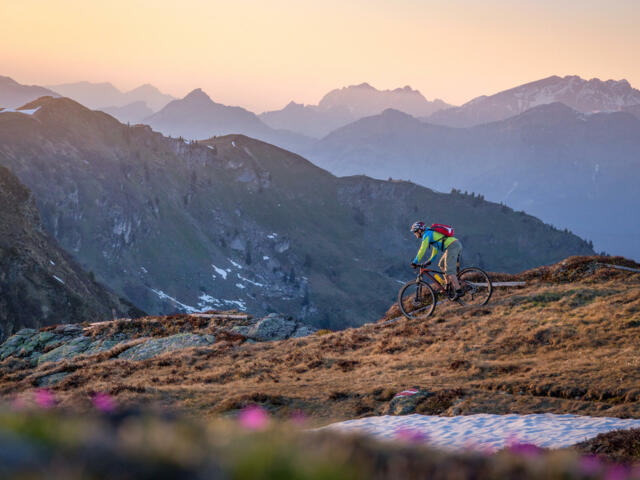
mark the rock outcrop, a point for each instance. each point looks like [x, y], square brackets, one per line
[144, 338]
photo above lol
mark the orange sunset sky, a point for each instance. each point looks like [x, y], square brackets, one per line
[262, 54]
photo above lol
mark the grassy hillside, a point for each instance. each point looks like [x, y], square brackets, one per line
[565, 343]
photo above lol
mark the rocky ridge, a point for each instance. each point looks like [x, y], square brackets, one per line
[144, 338]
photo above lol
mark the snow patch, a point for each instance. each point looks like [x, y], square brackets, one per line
[235, 264]
[265, 258]
[58, 279]
[52, 263]
[238, 303]
[250, 281]
[220, 271]
[233, 143]
[164, 296]
[488, 432]
[272, 235]
[240, 286]
[26, 112]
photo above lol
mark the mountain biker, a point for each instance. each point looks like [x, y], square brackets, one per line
[450, 247]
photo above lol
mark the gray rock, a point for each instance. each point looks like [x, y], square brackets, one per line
[49, 380]
[272, 327]
[68, 350]
[158, 346]
[407, 405]
[304, 331]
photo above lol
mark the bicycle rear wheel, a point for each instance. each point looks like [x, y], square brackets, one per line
[417, 299]
[476, 285]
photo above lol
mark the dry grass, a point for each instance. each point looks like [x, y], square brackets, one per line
[567, 343]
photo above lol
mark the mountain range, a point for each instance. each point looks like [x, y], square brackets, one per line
[39, 283]
[344, 105]
[237, 223]
[586, 96]
[570, 169]
[196, 116]
[103, 95]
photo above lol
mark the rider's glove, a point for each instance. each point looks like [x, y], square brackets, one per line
[414, 264]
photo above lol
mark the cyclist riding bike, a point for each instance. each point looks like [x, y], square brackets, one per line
[450, 247]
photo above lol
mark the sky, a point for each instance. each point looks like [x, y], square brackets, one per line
[263, 54]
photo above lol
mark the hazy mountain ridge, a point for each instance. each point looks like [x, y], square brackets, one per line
[14, 94]
[344, 105]
[39, 283]
[99, 96]
[239, 223]
[568, 168]
[197, 116]
[582, 95]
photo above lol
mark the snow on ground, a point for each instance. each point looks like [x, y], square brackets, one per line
[58, 279]
[235, 264]
[164, 296]
[257, 284]
[220, 271]
[26, 112]
[487, 432]
[240, 286]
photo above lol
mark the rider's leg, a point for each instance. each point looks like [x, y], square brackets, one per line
[450, 259]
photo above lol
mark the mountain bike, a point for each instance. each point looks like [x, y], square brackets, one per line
[418, 298]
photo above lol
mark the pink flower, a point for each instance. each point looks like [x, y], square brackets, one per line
[525, 449]
[411, 435]
[103, 402]
[590, 465]
[254, 417]
[617, 472]
[45, 398]
[299, 418]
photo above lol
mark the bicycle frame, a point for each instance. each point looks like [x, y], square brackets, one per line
[428, 272]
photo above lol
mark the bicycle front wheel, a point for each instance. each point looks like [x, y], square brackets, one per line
[476, 286]
[417, 299]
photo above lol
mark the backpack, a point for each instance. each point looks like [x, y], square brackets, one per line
[445, 230]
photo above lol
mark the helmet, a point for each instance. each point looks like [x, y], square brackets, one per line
[418, 226]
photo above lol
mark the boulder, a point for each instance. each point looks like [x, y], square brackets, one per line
[405, 404]
[157, 346]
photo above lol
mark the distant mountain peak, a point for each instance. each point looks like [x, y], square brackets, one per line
[197, 94]
[363, 85]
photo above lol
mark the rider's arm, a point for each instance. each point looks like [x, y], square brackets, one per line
[423, 249]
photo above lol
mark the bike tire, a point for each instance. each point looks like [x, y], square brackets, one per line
[477, 283]
[407, 297]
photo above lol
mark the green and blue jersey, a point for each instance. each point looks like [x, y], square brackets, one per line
[435, 240]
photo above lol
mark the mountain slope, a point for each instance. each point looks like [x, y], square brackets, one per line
[342, 106]
[13, 94]
[130, 113]
[39, 283]
[235, 222]
[99, 96]
[196, 116]
[582, 95]
[569, 169]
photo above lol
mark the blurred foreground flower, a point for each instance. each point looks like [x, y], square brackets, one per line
[45, 398]
[525, 449]
[411, 435]
[254, 417]
[617, 472]
[103, 402]
[590, 465]
[298, 418]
